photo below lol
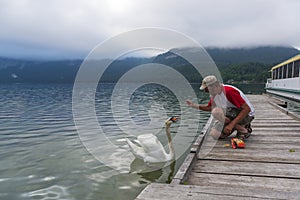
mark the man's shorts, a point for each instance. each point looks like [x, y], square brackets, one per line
[232, 113]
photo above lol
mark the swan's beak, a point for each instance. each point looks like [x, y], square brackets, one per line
[171, 120]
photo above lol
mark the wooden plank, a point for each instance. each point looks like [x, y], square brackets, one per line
[274, 140]
[280, 156]
[278, 129]
[286, 150]
[276, 125]
[263, 138]
[249, 182]
[248, 168]
[272, 119]
[266, 139]
[272, 116]
[266, 135]
[156, 191]
[289, 148]
[281, 137]
[268, 110]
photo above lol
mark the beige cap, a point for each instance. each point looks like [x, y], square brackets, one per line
[207, 81]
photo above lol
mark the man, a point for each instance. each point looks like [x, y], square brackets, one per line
[227, 99]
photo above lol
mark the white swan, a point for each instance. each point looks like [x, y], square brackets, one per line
[150, 149]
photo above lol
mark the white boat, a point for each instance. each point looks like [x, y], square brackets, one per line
[285, 79]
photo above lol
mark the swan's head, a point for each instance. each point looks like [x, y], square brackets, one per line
[171, 120]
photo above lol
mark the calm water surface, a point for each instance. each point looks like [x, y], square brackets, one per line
[42, 156]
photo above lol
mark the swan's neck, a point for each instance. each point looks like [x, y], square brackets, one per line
[171, 147]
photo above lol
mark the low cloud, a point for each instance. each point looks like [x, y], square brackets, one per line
[72, 28]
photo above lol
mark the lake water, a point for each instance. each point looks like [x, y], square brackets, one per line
[42, 155]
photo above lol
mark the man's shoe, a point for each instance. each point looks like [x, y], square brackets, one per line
[245, 135]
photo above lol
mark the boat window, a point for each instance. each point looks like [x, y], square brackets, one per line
[280, 73]
[296, 68]
[277, 73]
[290, 70]
[284, 71]
[274, 74]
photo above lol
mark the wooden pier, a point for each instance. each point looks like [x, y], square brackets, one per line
[268, 168]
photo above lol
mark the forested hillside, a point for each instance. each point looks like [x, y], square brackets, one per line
[236, 65]
[248, 65]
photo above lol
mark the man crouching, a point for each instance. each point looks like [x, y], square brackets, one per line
[229, 106]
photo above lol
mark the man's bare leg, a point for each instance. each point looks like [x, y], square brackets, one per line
[218, 114]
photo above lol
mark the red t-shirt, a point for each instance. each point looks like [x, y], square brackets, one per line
[233, 95]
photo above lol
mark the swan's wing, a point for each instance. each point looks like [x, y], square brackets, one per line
[136, 150]
[152, 146]
[155, 151]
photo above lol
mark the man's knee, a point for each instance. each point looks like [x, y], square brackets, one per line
[218, 114]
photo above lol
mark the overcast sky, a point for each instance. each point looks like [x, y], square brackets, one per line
[71, 28]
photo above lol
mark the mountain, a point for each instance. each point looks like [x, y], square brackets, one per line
[268, 55]
[62, 71]
[29, 71]
[235, 64]
[239, 64]
[249, 64]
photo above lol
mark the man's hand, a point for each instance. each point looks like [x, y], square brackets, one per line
[190, 103]
[228, 128]
[197, 106]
